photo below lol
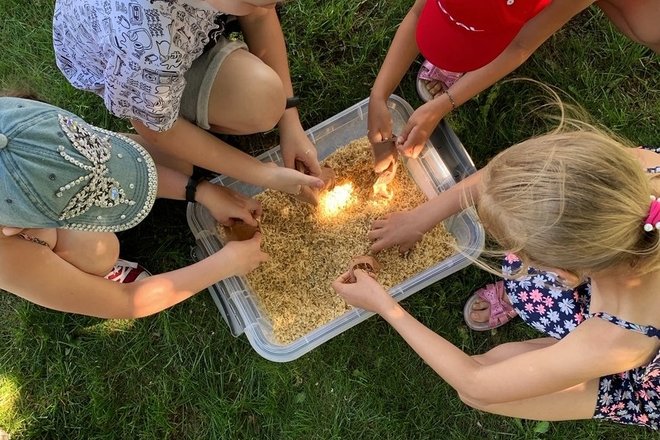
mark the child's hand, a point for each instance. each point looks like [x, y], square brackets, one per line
[379, 126]
[226, 205]
[418, 130]
[290, 181]
[365, 293]
[245, 256]
[296, 146]
[398, 228]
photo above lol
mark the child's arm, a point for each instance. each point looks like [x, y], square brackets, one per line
[406, 228]
[263, 35]
[401, 54]
[190, 143]
[592, 350]
[424, 120]
[50, 281]
[223, 203]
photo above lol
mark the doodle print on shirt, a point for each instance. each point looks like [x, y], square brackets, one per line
[132, 53]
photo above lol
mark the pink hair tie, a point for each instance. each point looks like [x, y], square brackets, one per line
[653, 219]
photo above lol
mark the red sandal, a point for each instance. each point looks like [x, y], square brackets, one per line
[501, 312]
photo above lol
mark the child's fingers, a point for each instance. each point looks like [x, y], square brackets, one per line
[340, 281]
[379, 223]
[257, 211]
[248, 218]
[288, 159]
[312, 163]
[311, 181]
[374, 235]
[380, 245]
[361, 275]
[412, 146]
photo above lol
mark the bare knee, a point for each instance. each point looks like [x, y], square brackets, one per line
[92, 252]
[637, 20]
[266, 99]
[247, 96]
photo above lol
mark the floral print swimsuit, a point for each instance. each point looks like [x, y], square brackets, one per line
[631, 397]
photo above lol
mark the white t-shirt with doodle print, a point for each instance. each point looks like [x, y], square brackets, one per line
[132, 53]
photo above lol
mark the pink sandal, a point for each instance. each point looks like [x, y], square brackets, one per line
[428, 72]
[501, 312]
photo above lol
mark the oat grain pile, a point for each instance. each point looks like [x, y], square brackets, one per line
[310, 246]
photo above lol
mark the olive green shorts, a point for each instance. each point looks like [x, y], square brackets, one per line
[200, 78]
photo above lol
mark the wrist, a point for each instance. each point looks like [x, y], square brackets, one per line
[442, 105]
[267, 175]
[422, 221]
[378, 94]
[290, 117]
[192, 188]
[227, 258]
[204, 191]
[391, 310]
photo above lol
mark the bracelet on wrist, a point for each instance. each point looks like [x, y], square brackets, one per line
[451, 99]
[198, 175]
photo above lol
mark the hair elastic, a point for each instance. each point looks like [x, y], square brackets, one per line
[653, 219]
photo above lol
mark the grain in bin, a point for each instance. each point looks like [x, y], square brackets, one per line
[442, 162]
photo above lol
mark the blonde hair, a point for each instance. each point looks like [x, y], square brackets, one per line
[574, 199]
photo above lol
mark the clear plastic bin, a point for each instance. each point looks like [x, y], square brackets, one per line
[442, 163]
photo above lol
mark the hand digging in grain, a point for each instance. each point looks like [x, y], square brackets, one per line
[309, 246]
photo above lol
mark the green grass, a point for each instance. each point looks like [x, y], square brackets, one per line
[181, 375]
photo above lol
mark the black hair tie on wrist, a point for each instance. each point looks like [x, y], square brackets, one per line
[198, 175]
[293, 101]
[191, 189]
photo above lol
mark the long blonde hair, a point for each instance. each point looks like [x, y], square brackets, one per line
[574, 199]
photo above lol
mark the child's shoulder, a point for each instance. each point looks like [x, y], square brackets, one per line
[649, 157]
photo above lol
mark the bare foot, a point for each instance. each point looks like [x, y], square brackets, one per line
[435, 88]
[480, 311]
[488, 308]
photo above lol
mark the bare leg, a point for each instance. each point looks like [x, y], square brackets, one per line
[575, 403]
[92, 252]
[637, 19]
[247, 96]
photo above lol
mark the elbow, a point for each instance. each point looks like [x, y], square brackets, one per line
[476, 393]
[151, 137]
[472, 397]
[151, 295]
[477, 400]
[474, 403]
[138, 303]
[519, 52]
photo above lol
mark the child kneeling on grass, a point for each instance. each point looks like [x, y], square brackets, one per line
[469, 45]
[577, 216]
[65, 187]
[165, 66]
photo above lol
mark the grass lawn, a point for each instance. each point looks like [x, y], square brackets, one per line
[181, 375]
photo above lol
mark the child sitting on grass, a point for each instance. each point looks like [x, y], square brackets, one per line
[66, 187]
[577, 216]
[146, 59]
[488, 39]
